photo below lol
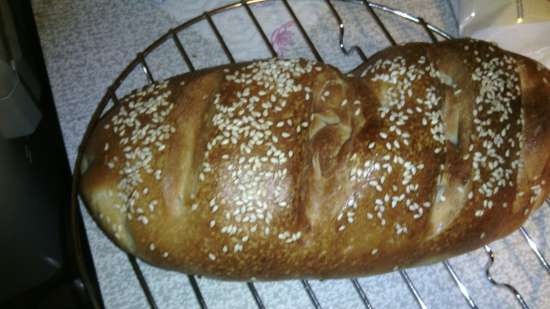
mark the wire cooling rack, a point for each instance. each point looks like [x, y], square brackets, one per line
[142, 64]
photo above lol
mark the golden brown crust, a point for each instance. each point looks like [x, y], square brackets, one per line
[287, 168]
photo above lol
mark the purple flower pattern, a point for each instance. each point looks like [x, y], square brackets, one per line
[282, 38]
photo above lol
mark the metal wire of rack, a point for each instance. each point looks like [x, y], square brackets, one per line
[140, 63]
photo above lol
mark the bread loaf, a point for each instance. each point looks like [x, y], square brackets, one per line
[280, 169]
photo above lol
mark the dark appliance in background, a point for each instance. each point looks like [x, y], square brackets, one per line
[37, 259]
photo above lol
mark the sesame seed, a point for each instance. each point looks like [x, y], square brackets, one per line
[396, 144]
